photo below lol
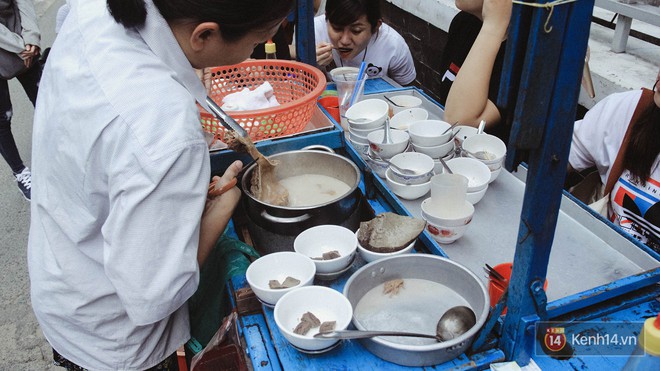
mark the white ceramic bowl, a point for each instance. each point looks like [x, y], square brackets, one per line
[374, 110]
[437, 167]
[377, 166]
[357, 138]
[361, 148]
[422, 164]
[428, 133]
[476, 172]
[315, 241]
[278, 266]
[364, 132]
[403, 102]
[399, 143]
[403, 119]
[325, 303]
[494, 174]
[489, 143]
[463, 132]
[435, 151]
[476, 196]
[447, 229]
[406, 191]
[370, 256]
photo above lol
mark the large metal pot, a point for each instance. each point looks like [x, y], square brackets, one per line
[290, 221]
[460, 287]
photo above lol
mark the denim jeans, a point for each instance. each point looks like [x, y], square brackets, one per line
[30, 81]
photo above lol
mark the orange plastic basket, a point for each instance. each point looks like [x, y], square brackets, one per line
[296, 86]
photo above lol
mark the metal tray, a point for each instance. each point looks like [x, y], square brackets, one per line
[586, 253]
[583, 256]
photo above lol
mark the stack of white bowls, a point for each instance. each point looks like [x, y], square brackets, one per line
[410, 186]
[432, 138]
[488, 149]
[363, 118]
[477, 174]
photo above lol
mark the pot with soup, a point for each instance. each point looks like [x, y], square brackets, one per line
[322, 189]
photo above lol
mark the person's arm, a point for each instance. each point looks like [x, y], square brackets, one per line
[218, 212]
[468, 101]
[30, 34]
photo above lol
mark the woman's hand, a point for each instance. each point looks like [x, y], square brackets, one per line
[218, 210]
[224, 188]
[323, 54]
[28, 55]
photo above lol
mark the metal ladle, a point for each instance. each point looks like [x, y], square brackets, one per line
[454, 323]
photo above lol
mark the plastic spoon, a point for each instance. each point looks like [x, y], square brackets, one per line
[455, 322]
[387, 137]
[482, 125]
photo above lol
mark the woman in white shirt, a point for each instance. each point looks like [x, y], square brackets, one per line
[120, 218]
[619, 136]
[352, 32]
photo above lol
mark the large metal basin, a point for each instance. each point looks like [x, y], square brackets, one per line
[450, 284]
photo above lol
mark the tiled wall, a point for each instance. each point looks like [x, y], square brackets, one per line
[426, 44]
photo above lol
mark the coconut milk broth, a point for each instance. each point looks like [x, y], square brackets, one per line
[417, 307]
[313, 189]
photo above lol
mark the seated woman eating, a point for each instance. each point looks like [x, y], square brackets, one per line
[352, 32]
[619, 136]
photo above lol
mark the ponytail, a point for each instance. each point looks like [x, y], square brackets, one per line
[130, 13]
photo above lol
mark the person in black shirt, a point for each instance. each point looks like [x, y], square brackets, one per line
[472, 63]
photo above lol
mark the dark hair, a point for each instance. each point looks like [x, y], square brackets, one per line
[344, 12]
[236, 18]
[644, 145]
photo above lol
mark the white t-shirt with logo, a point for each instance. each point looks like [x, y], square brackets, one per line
[596, 142]
[387, 53]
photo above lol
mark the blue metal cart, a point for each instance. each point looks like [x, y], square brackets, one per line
[545, 54]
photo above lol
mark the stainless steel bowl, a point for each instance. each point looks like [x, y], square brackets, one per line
[451, 284]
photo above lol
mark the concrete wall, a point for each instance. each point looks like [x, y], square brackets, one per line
[425, 40]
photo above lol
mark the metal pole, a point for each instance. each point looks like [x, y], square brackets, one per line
[305, 41]
[543, 117]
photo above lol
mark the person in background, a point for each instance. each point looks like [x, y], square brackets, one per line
[597, 140]
[27, 46]
[319, 7]
[472, 64]
[352, 32]
[120, 218]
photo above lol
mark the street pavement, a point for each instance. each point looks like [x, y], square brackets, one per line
[22, 345]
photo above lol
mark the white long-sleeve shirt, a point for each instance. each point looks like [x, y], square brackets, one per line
[120, 174]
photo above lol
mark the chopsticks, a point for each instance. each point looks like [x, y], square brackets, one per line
[496, 276]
